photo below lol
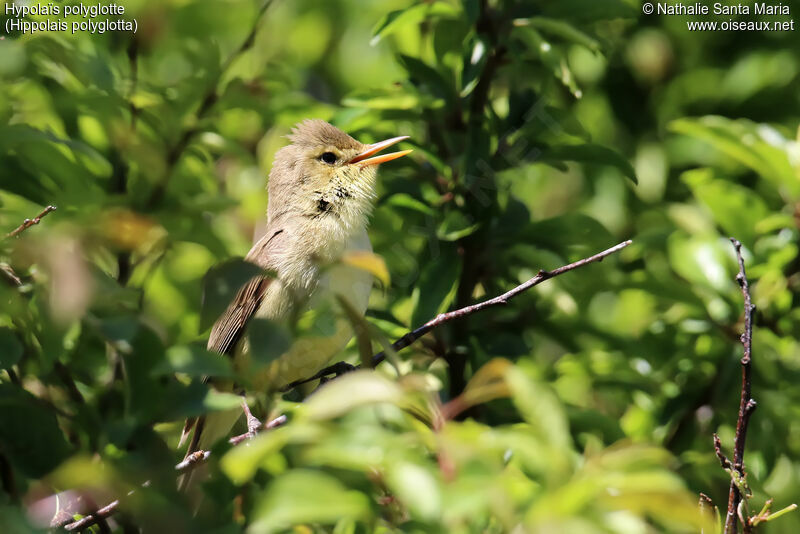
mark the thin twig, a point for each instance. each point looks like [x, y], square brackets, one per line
[189, 463]
[278, 421]
[10, 274]
[746, 404]
[27, 223]
[93, 518]
[442, 318]
[723, 460]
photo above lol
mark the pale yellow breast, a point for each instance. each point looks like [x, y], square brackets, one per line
[326, 330]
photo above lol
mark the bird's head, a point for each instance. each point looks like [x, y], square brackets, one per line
[326, 173]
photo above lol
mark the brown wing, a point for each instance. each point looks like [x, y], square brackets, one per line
[231, 325]
[228, 329]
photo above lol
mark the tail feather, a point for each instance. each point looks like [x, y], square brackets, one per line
[187, 429]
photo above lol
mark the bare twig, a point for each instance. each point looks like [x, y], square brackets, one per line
[10, 274]
[189, 463]
[442, 318]
[191, 460]
[278, 421]
[723, 460]
[27, 223]
[93, 518]
[746, 404]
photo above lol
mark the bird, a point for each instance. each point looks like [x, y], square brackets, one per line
[321, 192]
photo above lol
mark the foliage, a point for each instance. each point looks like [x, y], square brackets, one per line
[543, 132]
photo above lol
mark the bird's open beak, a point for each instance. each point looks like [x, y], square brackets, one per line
[364, 159]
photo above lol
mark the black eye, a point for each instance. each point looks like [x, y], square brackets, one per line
[328, 157]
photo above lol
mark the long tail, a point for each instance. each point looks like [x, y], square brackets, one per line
[208, 429]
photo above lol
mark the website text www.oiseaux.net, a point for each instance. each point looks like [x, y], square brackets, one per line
[733, 16]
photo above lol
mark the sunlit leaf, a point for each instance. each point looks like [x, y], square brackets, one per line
[403, 200]
[360, 329]
[369, 262]
[350, 391]
[559, 28]
[415, 14]
[286, 503]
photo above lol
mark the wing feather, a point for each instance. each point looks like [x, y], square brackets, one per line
[228, 329]
[231, 325]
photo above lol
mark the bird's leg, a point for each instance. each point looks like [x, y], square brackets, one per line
[253, 424]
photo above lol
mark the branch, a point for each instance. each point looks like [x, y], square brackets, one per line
[746, 404]
[27, 223]
[189, 463]
[93, 518]
[442, 318]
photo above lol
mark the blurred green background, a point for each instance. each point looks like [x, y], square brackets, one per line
[590, 400]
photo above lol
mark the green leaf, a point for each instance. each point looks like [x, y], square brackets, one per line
[757, 146]
[396, 20]
[435, 289]
[424, 75]
[240, 464]
[29, 432]
[268, 340]
[368, 262]
[10, 348]
[221, 284]
[735, 208]
[552, 57]
[392, 98]
[475, 56]
[288, 502]
[404, 200]
[559, 28]
[590, 153]
[455, 226]
[359, 388]
[540, 408]
[417, 487]
[361, 330]
[195, 361]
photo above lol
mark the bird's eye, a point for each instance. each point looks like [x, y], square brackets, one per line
[328, 157]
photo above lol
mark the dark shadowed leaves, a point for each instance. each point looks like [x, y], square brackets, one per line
[590, 153]
[29, 432]
[435, 288]
[10, 348]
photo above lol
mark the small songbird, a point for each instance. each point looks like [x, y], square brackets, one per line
[321, 193]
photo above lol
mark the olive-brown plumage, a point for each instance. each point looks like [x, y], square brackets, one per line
[321, 192]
